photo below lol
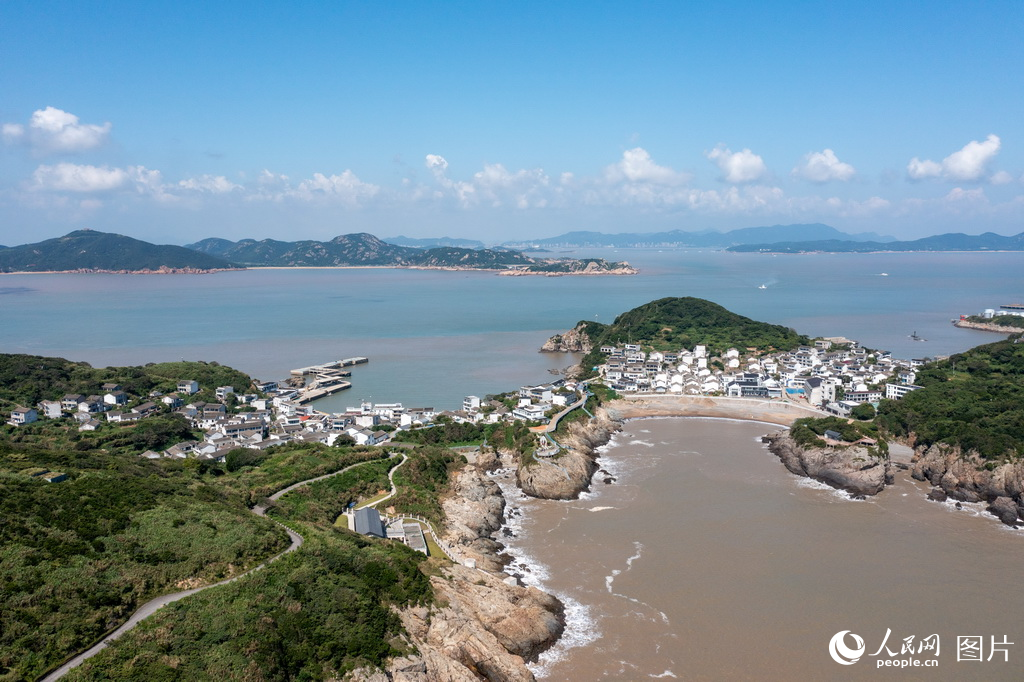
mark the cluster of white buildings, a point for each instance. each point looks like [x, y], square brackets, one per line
[834, 374]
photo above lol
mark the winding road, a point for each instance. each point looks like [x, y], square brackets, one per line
[153, 605]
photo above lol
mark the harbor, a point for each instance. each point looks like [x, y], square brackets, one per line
[329, 379]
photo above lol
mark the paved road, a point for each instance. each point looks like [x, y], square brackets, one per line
[153, 605]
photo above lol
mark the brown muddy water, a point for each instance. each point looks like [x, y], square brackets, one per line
[707, 560]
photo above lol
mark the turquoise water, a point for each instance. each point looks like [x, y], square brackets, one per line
[433, 337]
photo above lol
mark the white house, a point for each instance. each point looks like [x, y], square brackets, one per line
[23, 415]
[188, 386]
[51, 409]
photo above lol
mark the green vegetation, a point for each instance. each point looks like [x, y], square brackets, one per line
[91, 250]
[805, 431]
[76, 558]
[974, 400]
[27, 379]
[422, 479]
[283, 465]
[1008, 321]
[314, 615]
[321, 502]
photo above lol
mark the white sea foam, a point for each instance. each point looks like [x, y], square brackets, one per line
[580, 630]
[644, 443]
[597, 509]
[812, 484]
[667, 673]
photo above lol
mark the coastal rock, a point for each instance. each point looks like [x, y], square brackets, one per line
[475, 511]
[480, 628]
[1005, 509]
[576, 340]
[970, 478]
[937, 495]
[851, 468]
[568, 474]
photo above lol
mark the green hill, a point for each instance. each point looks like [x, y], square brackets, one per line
[675, 323]
[91, 250]
[974, 400]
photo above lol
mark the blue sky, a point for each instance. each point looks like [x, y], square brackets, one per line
[177, 121]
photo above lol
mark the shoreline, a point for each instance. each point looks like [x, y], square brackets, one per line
[446, 268]
[780, 413]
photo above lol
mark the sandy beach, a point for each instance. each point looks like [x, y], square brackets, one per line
[779, 412]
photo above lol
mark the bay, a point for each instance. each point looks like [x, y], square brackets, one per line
[435, 336]
[707, 560]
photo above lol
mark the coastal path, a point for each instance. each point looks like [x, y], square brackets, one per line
[391, 479]
[153, 605]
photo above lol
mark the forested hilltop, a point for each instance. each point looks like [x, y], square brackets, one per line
[675, 323]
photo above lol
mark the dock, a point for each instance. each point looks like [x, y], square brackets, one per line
[311, 394]
[329, 366]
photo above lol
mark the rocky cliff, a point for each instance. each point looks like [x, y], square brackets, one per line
[566, 475]
[966, 477]
[848, 468]
[576, 340]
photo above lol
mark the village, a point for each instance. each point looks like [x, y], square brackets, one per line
[834, 374]
[270, 413]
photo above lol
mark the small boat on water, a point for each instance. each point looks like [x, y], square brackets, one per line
[762, 287]
[915, 337]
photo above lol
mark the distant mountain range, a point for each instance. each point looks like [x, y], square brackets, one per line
[354, 249]
[365, 249]
[91, 250]
[954, 241]
[678, 238]
[432, 242]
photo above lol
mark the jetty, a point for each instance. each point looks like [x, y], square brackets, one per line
[328, 366]
[329, 379]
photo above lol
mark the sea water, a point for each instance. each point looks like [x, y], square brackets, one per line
[706, 560]
[434, 337]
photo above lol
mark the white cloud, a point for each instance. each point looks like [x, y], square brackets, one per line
[53, 130]
[636, 166]
[739, 167]
[968, 163]
[437, 163]
[345, 187]
[919, 170]
[214, 184]
[1001, 178]
[70, 177]
[824, 166]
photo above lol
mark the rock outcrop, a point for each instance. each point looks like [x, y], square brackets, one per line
[848, 468]
[475, 511]
[576, 340]
[969, 478]
[568, 474]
